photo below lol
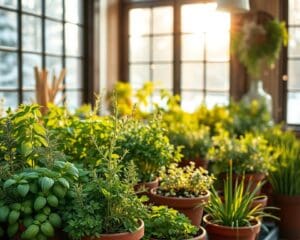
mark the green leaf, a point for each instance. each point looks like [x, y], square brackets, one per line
[46, 183]
[9, 183]
[26, 148]
[39, 129]
[64, 182]
[23, 189]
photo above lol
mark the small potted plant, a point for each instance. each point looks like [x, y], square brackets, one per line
[167, 223]
[250, 154]
[233, 216]
[195, 144]
[184, 189]
[285, 181]
[147, 145]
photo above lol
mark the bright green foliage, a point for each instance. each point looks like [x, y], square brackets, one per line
[147, 145]
[257, 44]
[195, 143]
[167, 223]
[184, 182]
[253, 117]
[249, 153]
[285, 177]
[235, 210]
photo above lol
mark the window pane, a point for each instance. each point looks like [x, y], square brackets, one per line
[192, 47]
[29, 97]
[29, 62]
[139, 49]
[139, 21]
[8, 70]
[34, 6]
[54, 65]
[74, 36]
[32, 33]
[74, 11]
[163, 75]
[162, 20]
[192, 76]
[74, 73]
[190, 101]
[217, 44]
[139, 74]
[293, 112]
[163, 48]
[54, 8]
[294, 73]
[10, 99]
[73, 99]
[197, 18]
[294, 42]
[54, 37]
[294, 12]
[213, 99]
[8, 28]
[9, 3]
[217, 76]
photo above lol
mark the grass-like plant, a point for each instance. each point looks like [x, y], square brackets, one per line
[235, 209]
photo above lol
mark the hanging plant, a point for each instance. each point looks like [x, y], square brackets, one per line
[258, 43]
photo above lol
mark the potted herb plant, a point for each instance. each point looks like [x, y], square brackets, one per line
[195, 144]
[250, 154]
[233, 216]
[147, 145]
[285, 181]
[167, 223]
[184, 189]
[106, 207]
[30, 206]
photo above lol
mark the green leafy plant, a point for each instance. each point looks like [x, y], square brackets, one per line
[253, 117]
[249, 153]
[31, 200]
[184, 182]
[195, 143]
[147, 145]
[106, 203]
[167, 223]
[285, 176]
[258, 43]
[235, 209]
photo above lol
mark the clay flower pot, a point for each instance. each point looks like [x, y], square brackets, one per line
[199, 162]
[219, 232]
[289, 214]
[137, 235]
[201, 235]
[190, 207]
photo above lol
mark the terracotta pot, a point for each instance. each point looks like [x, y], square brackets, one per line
[289, 214]
[199, 162]
[201, 235]
[250, 178]
[137, 235]
[267, 189]
[190, 207]
[219, 232]
[147, 186]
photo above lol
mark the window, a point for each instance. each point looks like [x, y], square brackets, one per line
[190, 58]
[293, 85]
[43, 33]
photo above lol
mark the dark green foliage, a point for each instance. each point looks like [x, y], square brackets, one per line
[165, 223]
